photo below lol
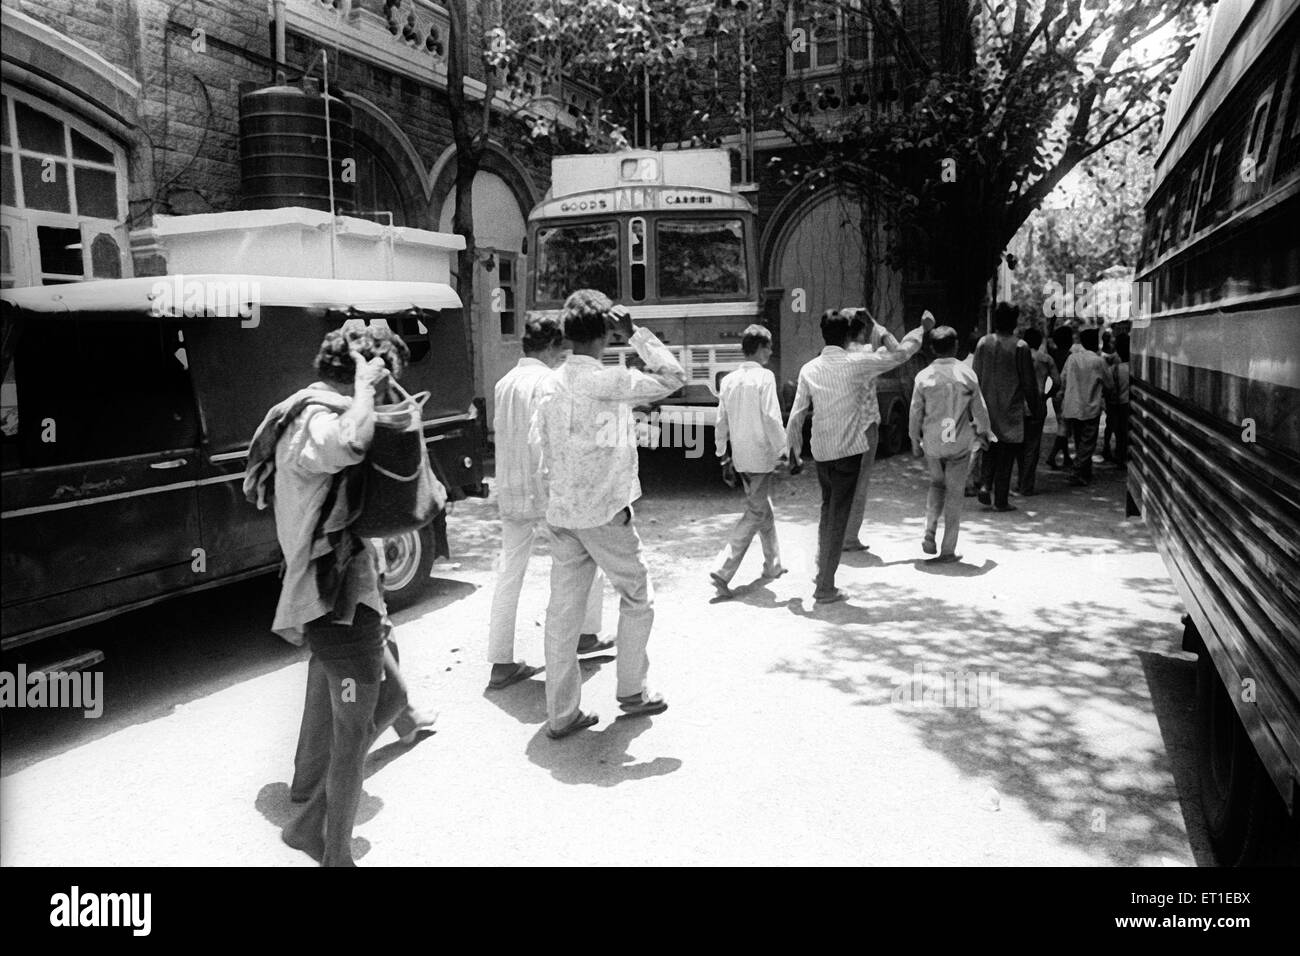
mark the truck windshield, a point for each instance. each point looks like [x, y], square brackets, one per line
[700, 258]
[578, 256]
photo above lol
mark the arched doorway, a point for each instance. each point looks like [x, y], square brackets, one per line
[820, 259]
[499, 232]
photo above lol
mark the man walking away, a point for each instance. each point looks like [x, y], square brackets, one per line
[750, 417]
[1059, 351]
[865, 333]
[330, 594]
[830, 386]
[1044, 370]
[947, 417]
[1006, 374]
[521, 499]
[1082, 381]
[587, 437]
[1117, 392]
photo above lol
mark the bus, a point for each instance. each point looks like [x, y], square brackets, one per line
[668, 235]
[1216, 410]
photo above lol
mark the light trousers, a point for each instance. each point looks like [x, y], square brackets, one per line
[518, 536]
[758, 518]
[947, 491]
[576, 555]
[864, 482]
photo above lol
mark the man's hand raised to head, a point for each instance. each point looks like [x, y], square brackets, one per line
[372, 372]
[620, 321]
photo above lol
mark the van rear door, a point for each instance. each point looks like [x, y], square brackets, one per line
[99, 468]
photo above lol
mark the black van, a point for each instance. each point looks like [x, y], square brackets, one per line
[126, 428]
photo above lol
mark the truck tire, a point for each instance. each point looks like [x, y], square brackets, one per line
[410, 558]
[1244, 816]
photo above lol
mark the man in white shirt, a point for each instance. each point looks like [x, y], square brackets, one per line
[1082, 381]
[750, 417]
[865, 333]
[948, 417]
[587, 437]
[521, 499]
[830, 385]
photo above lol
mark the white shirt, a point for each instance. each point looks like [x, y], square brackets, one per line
[831, 386]
[880, 337]
[946, 400]
[519, 488]
[586, 433]
[749, 414]
[1081, 383]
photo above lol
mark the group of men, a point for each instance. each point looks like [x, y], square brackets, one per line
[561, 477]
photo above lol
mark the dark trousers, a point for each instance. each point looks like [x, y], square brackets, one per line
[1027, 464]
[995, 471]
[1084, 433]
[1121, 432]
[354, 691]
[839, 480]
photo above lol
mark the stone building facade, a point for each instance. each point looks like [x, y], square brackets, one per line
[119, 111]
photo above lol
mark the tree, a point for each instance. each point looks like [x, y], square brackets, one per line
[971, 113]
[999, 102]
[1088, 231]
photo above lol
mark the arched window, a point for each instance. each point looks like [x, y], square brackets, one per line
[378, 188]
[64, 196]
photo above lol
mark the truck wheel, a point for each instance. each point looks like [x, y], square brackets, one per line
[410, 559]
[1244, 816]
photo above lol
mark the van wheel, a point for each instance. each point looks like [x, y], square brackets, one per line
[891, 436]
[1244, 815]
[410, 559]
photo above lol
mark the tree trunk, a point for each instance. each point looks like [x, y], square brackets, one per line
[469, 152]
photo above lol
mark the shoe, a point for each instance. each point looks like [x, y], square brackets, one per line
[1005, 507]
[985, 497]
[830, 597]
[855, 546]
[641, 705]
[948, 557]
[721, 586]
[522, 671]
[773, 574]
[580, 721]
[928, 545]
[424, 724]
[592, 644]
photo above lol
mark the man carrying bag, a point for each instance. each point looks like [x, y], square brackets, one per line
[302, 459]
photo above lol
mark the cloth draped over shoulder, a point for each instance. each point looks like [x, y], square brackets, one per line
[331, 539]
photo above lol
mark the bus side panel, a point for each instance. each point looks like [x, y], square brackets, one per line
[1225, 515]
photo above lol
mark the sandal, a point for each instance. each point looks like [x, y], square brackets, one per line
[580, 721]
[522, 671]
[638, 705]
[592, 644]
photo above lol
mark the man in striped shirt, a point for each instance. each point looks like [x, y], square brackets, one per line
[865, 333]
[830, 386]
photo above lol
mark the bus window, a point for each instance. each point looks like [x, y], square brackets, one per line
[1208, 181]
[636, 249]
[1256, 151]
[700, 257]
[578, 256]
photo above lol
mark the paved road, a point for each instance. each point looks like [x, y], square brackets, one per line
[790, 737]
